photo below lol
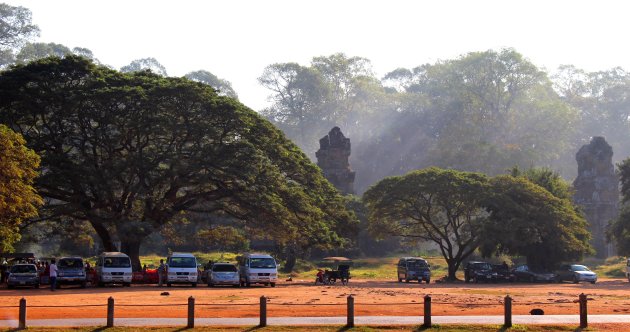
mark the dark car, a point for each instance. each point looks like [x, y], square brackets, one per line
[479, 271]
[502, 271]
[23, 275]
[575, 273]
[71, 271]
[413, 268]
[524, 273]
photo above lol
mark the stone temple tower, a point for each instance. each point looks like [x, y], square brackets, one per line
[597, 191]
[332, 158]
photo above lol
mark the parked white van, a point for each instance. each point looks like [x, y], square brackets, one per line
[181, 268]
[113, 268]
[257, 269]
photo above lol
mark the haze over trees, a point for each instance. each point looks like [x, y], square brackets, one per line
[129, 152]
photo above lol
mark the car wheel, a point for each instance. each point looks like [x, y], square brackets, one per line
[37, 285]
[10, 286]
[532, 279]
[428, 281]
[592, 282]
[194, 284]
[475, 279]
[248, 284]
[273, 284]
[407, 280]
[400, 280]
[100, 284]
[83, 284]
[168, 284]
[576, 280]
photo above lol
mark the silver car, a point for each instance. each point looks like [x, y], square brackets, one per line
[575, 273]
[21, 275]
[223, 274]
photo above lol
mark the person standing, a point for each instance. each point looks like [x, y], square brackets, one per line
[161, 272]
[53, 274]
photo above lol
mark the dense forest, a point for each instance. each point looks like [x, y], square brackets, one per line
[486, 111]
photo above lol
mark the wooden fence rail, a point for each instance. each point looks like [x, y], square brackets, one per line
[350, 304]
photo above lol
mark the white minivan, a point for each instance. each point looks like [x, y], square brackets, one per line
[181, 268]
[257, 269]
[113, 268]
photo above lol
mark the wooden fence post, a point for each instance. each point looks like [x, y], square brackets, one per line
[350, 322]
[583, 311]
[110, 312]
[263, 311]
[191, 312]
[22, 317]
[507, 311]
[427, 311]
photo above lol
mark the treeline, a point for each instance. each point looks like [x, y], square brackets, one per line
[484, 111]
[150, 161]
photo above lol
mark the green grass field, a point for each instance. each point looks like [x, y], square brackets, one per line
[385, 267]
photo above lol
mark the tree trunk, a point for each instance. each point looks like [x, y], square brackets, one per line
[452, 271]
[132, 249]
[103, 234]
[290, 263]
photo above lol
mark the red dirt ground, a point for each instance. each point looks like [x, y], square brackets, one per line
[301, 298]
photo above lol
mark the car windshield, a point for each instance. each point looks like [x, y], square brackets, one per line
[224, 268]
[416, 264]
[482, 266]
[579, 268]
[262, 263]
[71, 263]
[23, 269]
[182, 262]
[117, 262]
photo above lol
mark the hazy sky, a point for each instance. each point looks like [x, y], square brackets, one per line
[236, 39]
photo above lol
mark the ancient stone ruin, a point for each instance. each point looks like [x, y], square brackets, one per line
[332, 158]
[597, 191]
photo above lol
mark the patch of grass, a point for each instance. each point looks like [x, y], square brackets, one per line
[612, 267]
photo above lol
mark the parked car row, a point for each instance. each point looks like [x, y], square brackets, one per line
[181, 268]
[482, 271]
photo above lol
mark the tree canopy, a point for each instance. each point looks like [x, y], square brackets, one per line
[16, 29]
[444, 207]
[130, 151]
[619, 229]
[18, 198]
[527, 220]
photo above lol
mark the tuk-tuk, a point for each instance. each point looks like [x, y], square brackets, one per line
[340, 270]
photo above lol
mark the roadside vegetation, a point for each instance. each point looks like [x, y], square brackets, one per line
[377, 268]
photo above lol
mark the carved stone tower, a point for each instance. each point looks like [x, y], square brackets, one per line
[597, 191]
[332, 158]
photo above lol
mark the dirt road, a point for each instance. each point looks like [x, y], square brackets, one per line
[301, 298]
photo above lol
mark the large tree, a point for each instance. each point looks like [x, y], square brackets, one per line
[527, 220]
[128, 152]
[435, 205]
[16, 29]
[18, 198]
[145, 64]
[223, 87]
[619, 229]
